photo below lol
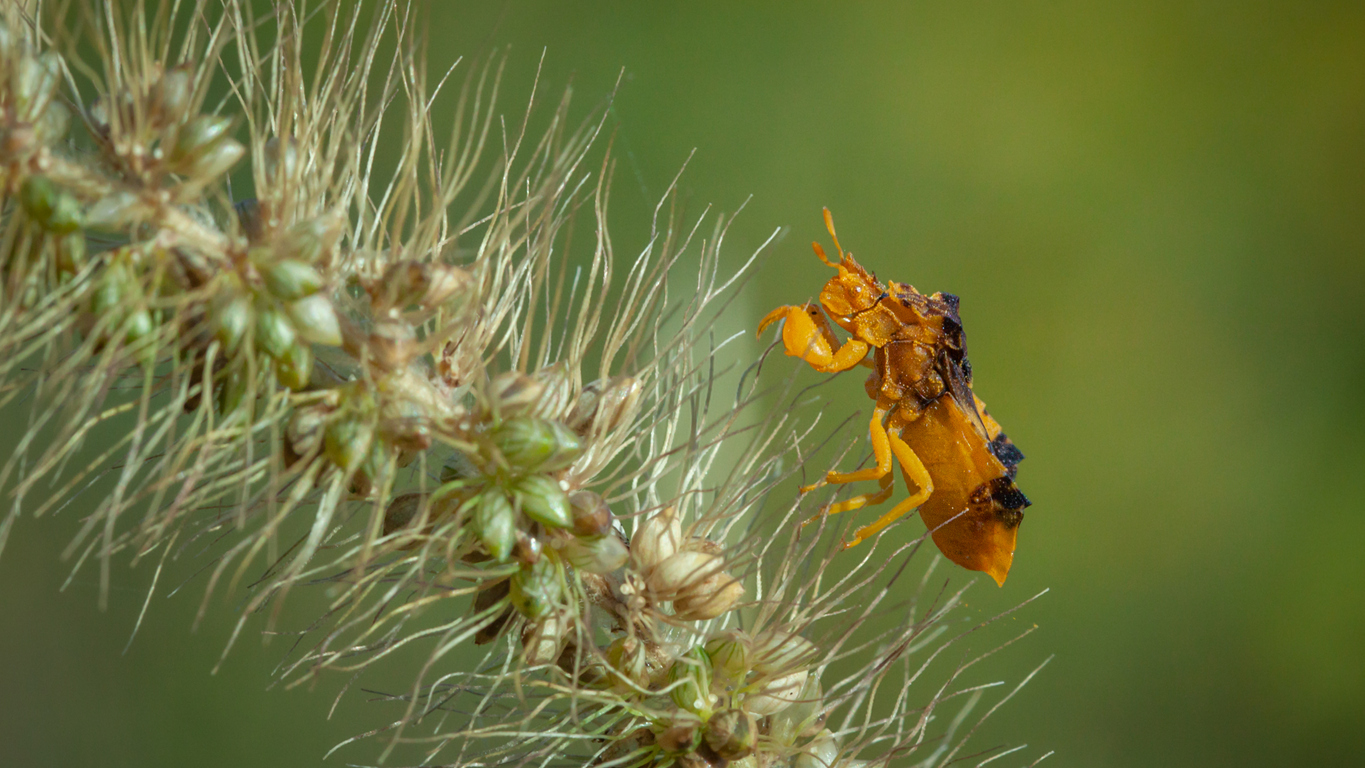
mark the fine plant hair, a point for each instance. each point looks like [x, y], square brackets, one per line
[266, 324]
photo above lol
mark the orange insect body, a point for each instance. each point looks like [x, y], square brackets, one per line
[951, 452]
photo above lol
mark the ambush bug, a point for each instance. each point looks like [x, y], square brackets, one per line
[952, 454]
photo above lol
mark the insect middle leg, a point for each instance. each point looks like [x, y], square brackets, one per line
[915, 473]
[881, 450]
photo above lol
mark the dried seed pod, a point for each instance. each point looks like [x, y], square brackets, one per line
[486, 599]
[392, 344]
[691, 677]
[542, 500]
[731, 734]
[405, 424]
[495, 523]
[557, 396]
[596, 554]
[775, 651]
[543, 641]
[305, 429]
[681, 737]
[516, 393]
[656, 539]
[776, 694]
[346, 442]
[630, 659]
[281, 160]
[531, 444]
[274, 333]
[591, 515]
[402, 510]
[170, 97]
[528, 548]
[803, 719]
[606, 404]
[53, 123]
[422, 283]
[819, 753]
[35, 82]
[697, 584]
[709, 598]
[535, 589]
[315, 319]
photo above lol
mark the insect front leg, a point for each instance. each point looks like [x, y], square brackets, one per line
[915, 474]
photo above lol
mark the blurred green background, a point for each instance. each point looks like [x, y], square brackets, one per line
[1154, 213]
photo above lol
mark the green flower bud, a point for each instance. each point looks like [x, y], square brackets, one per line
[71, 253]
[290, 279]
[537, 444]
[138, 326]
[197, 135]
[690, 678]
[274, 333]
[232, 391]
[231, 318]
[295, 368]
[596, 554]
[109, 290]
[534, 590]
[347, 442]
[315, 319]
[544, 501]
[49, 207]
[495, 523]
[729, 656]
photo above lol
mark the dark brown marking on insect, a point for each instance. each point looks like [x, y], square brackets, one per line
[1007, 452]
[1001, 498]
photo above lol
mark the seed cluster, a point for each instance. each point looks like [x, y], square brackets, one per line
[405, 390]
